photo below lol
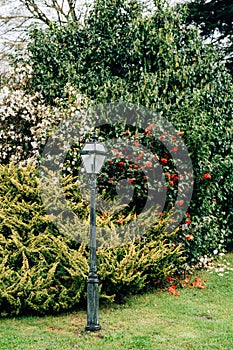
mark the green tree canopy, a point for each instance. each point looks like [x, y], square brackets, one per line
[215, 20]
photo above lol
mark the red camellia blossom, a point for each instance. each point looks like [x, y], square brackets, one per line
[169, 279]
[174, 177]
[136, 166]
[172, 290]
[198, 283]
[180, 202]
[207, 176]
[174, 149]
[131, 181]
[121, 164]
[149, 164]
[164, 160]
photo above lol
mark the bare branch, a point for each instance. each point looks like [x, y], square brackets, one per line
[16, 15]
[36, 11]
[72, 12]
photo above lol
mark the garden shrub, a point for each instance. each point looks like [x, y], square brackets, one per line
[43, 270]
[122, 52]
[140, 265]
[25, 119]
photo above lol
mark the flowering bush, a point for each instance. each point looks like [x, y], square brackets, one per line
[153, 59]
[25, 120]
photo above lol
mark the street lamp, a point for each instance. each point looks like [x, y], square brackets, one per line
[93, 156]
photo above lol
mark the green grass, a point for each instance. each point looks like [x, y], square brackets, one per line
[197, 319]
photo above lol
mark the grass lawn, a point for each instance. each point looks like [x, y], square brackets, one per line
[196, 319]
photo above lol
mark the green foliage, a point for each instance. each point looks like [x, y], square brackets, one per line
[44, 271]
[41, 270]
[137, 266]
[214, 19]
[151, 57]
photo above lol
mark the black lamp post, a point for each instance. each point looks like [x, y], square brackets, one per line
[93, 156]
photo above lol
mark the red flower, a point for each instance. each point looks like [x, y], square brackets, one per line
[148, 164]
[131, 181]
[180, 202]
[147, 132]
[174, 177]
[199, 284]
[174, 149]
[136, 166]
[164, 160]
[110, 162]
[121, 164]
[169, 279]
[172, 290]
[207, 176]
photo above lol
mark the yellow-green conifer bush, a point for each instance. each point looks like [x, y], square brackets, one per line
[43, 270]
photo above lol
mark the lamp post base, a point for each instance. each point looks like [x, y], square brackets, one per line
[92, 328]
[92, 303]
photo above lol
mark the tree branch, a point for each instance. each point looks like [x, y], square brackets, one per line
[72, 12]
[36, 11]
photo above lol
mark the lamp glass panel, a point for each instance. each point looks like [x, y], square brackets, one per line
[93, 161]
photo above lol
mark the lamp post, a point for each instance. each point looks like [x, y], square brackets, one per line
[93, 156]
